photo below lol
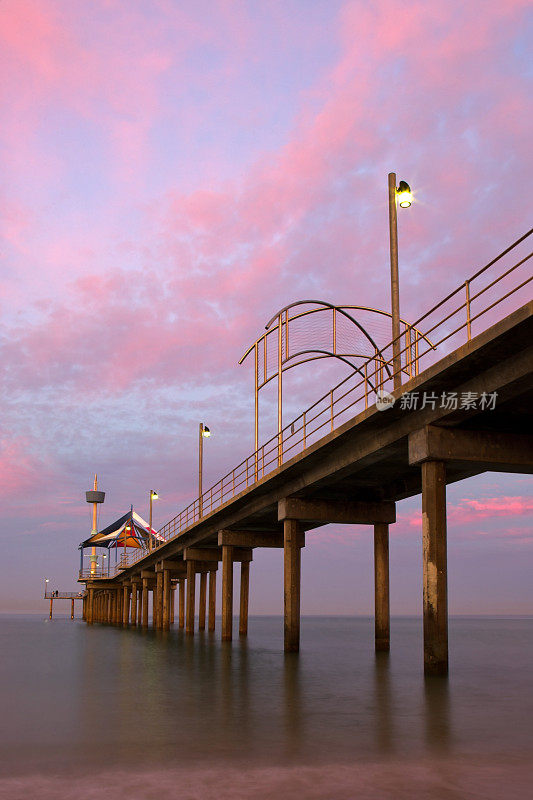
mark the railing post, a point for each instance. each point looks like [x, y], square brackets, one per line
[331, 407]
[468, 320]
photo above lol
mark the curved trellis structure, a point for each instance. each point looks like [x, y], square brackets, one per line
[308, 330]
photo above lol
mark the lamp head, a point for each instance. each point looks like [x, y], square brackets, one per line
[205, 431]
[154, 494]
[404, 194]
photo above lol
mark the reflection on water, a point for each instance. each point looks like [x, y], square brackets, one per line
[75, 696]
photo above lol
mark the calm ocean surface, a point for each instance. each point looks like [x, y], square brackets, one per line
[105, 712]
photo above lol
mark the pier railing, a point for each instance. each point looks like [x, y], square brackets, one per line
[490, 294]
[63, 595]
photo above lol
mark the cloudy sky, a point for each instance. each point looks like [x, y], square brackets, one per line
[172, 173]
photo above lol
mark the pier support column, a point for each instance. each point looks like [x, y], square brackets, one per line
[181, 603]
[227, 593]
[90, 606]
[435, 569]
[292, 557]
[72, 609]
[212, 599]
[202, 601]
[381, 587]
[108, 608]
[139, 605]
[51, 608]
[166, 600]
[126, 606]
[144, 603]
[121, 606]
[158, 601]
[191, 587]
[134, 604]
[172, 602]
[245, 586]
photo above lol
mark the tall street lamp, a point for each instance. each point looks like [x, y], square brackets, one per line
[46, 580]
[402, 195]
[203, 433]
[153, 496]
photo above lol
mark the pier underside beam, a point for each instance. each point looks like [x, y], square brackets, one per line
[434, 568]
[490, 448]
[340, 511]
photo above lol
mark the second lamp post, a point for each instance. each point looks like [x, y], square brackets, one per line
[203, 433]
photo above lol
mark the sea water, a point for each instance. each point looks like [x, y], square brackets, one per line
[99, 711]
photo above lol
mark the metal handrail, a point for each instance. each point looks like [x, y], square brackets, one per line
[351, 394]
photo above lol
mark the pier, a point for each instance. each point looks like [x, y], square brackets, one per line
[347, 460]
[57, 595]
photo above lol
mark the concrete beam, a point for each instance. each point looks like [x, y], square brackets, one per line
[250, 539]
[173, 565]
[432, 443]
[351, 513]
[210, 554]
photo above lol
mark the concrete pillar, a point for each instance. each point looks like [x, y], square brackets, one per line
[51, 608]
[202, 602]
[166, 600]
[227, 592]
[435, 570]
[72, 609]
[212, 599]
[120, 618]
[108, 608]
[181, 601]
[191, 586]
[139, 605]
[145, 603]
[291, 561]
[243, 611]
[134, 604]
[90, 606]
[381, 587]
[158, 601]
[172, 602]
[126, 606]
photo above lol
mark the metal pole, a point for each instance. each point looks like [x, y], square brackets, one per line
[395, 282]
[95, 529]
[200, 465]
[150, 525]
[280, 390]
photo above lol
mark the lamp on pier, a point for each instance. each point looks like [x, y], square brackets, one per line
[204, 433]
[402, 195]
[153, 496]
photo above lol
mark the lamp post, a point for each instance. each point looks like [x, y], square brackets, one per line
[203, 433]
[153, 496]
[46, 580]
[103, 564]
[403, 195]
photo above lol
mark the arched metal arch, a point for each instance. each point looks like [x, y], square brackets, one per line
[286, 360]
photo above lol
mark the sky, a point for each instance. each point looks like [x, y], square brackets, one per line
[173, 173]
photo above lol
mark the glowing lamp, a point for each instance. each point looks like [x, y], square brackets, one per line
[206, 432]
[155, 496]
[404, 195]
